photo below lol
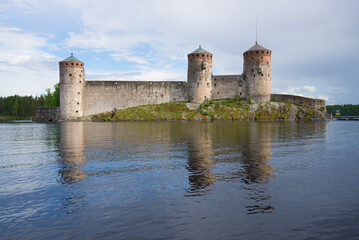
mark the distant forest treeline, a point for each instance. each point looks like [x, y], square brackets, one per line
[24, 106]
[345, 110]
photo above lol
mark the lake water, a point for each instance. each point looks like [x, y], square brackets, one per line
[179, 180]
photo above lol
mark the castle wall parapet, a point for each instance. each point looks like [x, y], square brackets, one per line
[227, 86]
[101, 96]
[318, 104]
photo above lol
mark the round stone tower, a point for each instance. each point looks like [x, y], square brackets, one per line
[257, 72]
[72, 78]
[199, 75]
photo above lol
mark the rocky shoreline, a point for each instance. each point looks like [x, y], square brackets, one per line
[230, 109]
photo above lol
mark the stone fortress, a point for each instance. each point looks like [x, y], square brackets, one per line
[79, 97]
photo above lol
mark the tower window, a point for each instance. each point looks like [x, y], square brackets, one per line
[254, 75]
[262, 51]
[82, 65]
[202, 55]
[256, 52]
[70, 74]
[72, 63]
[205, 97]
[78, 92]
[77, 111]
[80, 75]
[252, 70]
[80, 81]
[78, 103]
[77, 64]
[207, 84]
[215, 85]
[197, 55]
[251, 52]
[67, 64]
[262, 74]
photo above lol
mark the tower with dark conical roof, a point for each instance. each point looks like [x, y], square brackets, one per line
[199, 75]
[257, 73]
[72, 78]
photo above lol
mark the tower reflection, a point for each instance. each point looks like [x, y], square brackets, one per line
[200, 159]
[256, 150]
[72, 152]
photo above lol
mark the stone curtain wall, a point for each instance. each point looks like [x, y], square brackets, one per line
[227, 86]
[300, 101]
[102, 96]
[47, 114]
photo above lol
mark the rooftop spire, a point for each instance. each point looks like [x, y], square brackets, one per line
[256, 31]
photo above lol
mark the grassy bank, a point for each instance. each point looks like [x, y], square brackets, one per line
[231, 109]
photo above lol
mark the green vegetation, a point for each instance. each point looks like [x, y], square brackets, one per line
[345, 110]
[24, 106]
[230, 109]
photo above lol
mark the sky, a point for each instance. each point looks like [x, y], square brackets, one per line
[314, 43]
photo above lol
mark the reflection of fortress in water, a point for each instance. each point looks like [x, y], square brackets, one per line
[72, 151]
[228, 151]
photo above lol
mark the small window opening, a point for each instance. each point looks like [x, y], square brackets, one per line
[254, 75]
[78, 103]
[80, 75]
[197, 55]
[202, 55]
[67, 64]
[80, 81]
[161, 95]
[205, 97]
[207, 84]
[70, 74]
[252, 70]
[262, 75]
[77, 64]
[215, 85]
[78, 92]
[256, 52]
[72, 63]
[217, 92]
[262, 51]
[77, 111]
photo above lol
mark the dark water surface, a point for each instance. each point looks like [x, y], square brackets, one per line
[179, 180]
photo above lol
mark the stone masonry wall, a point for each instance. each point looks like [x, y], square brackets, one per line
[227, 86]
[102, 96]
[47, 114]
[318, 104]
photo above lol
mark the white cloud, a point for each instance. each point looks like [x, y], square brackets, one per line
[129, 58]
[24, 68]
